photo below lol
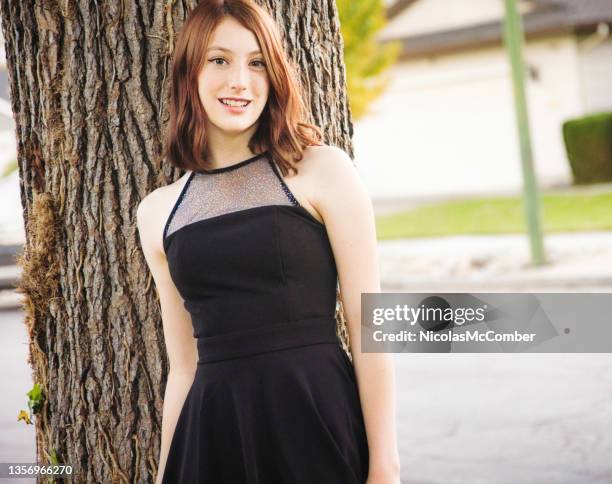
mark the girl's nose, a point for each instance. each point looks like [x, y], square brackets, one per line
[239, 77]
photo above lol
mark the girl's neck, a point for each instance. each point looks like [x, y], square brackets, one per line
[225, 150]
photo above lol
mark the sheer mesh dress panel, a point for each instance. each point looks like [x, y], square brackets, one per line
[251, 183]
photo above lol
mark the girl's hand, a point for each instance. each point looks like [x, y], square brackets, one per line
[384, 478]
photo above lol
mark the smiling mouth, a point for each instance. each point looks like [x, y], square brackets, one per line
[234, 104]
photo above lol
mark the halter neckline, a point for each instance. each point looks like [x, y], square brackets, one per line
[234, 166]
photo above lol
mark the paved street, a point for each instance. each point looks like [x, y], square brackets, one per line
[17, 440]
[462, 418]
[528, 418]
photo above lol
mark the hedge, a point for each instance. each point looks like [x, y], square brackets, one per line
[588, 142]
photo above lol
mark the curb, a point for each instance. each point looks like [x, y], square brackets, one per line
[10, 301]
[9, 276]
[8, 253]
[578, 284]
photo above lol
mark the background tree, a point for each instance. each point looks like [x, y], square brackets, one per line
[9, 169]
[367, 60]
[89, 85]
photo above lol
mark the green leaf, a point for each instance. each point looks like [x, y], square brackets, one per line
[35, 396]
[54, 459]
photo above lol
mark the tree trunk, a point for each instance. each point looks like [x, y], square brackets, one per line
[89, 83]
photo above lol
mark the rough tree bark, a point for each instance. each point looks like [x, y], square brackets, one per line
[89, 83]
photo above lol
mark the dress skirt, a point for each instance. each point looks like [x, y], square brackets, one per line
[289, 416]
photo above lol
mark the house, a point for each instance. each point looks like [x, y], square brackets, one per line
[446, 124]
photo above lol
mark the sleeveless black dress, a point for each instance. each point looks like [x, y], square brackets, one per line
[274, 399]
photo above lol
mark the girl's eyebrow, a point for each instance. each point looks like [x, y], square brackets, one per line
[214, 47]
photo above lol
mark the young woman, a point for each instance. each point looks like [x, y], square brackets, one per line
[245, 250]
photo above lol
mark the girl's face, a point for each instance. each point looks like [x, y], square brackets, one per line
[233, 85]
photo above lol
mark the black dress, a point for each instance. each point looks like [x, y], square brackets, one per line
[274, 399]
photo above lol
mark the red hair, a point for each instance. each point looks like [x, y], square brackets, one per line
[281, 130]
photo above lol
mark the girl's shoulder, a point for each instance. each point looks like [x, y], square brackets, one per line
[324, 154]
[321, 162]
[319, 166]
[154, 209]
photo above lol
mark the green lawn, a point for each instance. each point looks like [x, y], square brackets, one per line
[560, 213]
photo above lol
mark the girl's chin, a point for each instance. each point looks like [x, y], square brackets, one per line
[233, 128]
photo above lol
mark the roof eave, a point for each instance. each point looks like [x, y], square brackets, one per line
[483, 36]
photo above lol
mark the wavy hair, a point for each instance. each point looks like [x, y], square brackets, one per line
[282, 129]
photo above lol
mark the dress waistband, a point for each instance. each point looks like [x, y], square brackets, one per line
[273, 337]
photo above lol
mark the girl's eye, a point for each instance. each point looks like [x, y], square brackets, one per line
[220, 60]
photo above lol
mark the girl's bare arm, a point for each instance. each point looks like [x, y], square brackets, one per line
[181, 346]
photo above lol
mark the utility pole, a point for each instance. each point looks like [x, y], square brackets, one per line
[513, 37]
